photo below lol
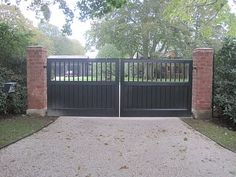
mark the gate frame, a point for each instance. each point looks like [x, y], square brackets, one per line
[155, 112]
[53, 109]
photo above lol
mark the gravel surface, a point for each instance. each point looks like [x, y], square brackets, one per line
[113, 147]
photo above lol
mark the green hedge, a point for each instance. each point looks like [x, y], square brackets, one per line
[225, 80]
[14, 103]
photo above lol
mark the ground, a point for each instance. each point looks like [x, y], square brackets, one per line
[219, 131]
[13, 128]
[112, 147]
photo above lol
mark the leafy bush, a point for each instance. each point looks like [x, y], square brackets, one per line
[225, 79]
[3, 107]
[13, 42]
[109, 51]
[14, 103]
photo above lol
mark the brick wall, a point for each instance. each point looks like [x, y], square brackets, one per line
[36, 80]
[202, 82]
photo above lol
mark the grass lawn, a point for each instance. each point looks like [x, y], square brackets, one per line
[215, 131]
[14, 128]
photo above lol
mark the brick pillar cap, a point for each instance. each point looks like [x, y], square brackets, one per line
[35, 47]
[203, 49]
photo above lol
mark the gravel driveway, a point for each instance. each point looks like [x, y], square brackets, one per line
[112, 147]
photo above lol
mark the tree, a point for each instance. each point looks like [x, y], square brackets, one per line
[13, 17]
[204, 17]
[86, 8]
[97, 8]
[13, 43]
[66, 46]
[109, 51]
[138, 27]
[61, 44]
[142, 26]
[90, 9]
[41, 39]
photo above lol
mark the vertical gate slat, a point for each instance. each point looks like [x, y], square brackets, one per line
[138, 71]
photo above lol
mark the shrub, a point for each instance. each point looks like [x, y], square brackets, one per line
[13, 42]
[14, 103]
[225, 79]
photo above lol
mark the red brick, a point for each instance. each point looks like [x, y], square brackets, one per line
[36, 78]
[202, 80]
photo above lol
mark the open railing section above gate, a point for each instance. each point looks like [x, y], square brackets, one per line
[83, 70]
[156, 71]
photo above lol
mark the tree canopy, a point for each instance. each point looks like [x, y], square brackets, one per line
[83, 9]
[17, 32]
[12, 43]
[142, 26]
[13, 17]
[61, 44]
[109, 51]
[90, 9]
[148, 27]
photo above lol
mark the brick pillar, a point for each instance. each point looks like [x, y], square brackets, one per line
[36, 80]
[202, 83]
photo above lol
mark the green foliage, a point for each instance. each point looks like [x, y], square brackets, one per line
[216, 130]
[60, 44]
[12, 16]
[14, 103]
[148, 28]
[225, 79]
[41, 39]
[13, 128]
[194, 12]
[87, 9]
[15, 35]
[109, 51]
[3, 104]
[13, 43]
[98, 8]
[66, 46]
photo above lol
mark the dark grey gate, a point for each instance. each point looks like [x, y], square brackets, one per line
[156, 87]
[90, 87]
[83, 87]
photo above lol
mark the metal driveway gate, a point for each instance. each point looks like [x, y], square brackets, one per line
[90, 87]
[156, 87]
[84, 87]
